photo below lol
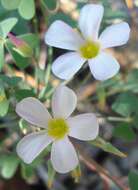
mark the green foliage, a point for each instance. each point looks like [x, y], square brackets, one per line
[25, 8]
[51, 174]
[10, 5]
[63, 17]
[6, 26]
[126, 104]
[8, 165]
[133, 180]
[4, 102]
[2, 54]
[22, 61]
[24, 93]
[107, 147]
[124, 131]
[51, 5]
[10, 81]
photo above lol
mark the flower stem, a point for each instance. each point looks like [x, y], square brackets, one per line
[94, 166]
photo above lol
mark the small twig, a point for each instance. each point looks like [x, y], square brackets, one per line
[94, 166]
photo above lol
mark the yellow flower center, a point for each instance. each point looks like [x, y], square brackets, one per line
[57, 128]
[89, 50]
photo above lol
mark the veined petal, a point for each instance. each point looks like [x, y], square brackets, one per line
[104, 66]
[32, 145]
[90, 19]
[33, 111]
[63, 36]
[63, 156]
[115, 35]
[83, 126]
[67, 65]
[64, 101]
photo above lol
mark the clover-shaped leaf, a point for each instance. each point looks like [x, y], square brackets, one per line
[25, 8]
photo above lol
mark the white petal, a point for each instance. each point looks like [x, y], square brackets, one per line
[64, 101]
[67, 65]
[104, 66]
[83, 126]
[115, 35]
[63, 156]
[33, 111]
[90, 20]
[63, 36]
[32, 145]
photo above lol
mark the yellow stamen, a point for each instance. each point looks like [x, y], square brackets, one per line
[57, 128]
[89, 50]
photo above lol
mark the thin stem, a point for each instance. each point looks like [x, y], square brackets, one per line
[94, 166]
[116, 119]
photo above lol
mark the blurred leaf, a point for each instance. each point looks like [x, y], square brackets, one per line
[31, 39]
[135, 120]
[24, 93]
[118, 14]
[27, 9]
[4, 103]
[133, 180]
[125, 104]
[51, 174]
[6, 26]
[1, 54]
[22, 47]
[107, 147]
[101, 93]
[10, 5]
[61, 16]
[23, 126]
[132, 80]
[124, 131]
[51, 5]
[8, 164]
[27, 171]
[11, 81]
[20, 61]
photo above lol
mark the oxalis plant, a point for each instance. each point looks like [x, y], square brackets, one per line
[62, 94]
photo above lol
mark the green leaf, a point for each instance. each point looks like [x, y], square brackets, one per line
[4, 103]
[11, 81]
[107, 147]
[20, 61]
[10, 4]
[23, 126]
[133, 180]
[1, 55]
[9, 164]
[27, 9]
[6, 26]
[132, 81]
[31, 39]
[51, 174]
[27, 171]
[124, 131]
[21, 47]
[51, 5]
[126, 104]
[24, 93]
[61, 16]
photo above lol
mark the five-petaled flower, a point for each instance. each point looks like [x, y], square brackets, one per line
[87, 45]
[56, 129]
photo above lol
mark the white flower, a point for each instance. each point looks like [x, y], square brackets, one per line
[56, 129]
[87, 46]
